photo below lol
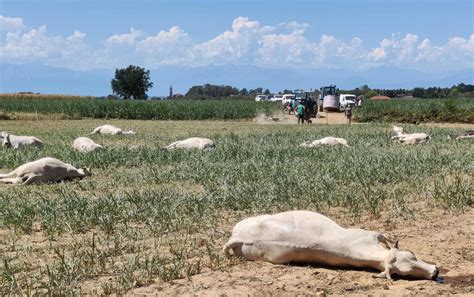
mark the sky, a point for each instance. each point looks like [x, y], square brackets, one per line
[434, 36]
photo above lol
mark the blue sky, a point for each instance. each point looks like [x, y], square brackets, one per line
[428, 36]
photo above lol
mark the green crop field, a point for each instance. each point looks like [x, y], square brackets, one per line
[151, 215]
[143, 110]
[417, 111]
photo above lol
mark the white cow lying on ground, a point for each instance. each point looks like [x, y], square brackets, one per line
[44, 170]
[309, 237]
[14, 141]
[193, 142]
[85, 145]
[112, 130]
[462, 135]
[412, 138]
[326, 141]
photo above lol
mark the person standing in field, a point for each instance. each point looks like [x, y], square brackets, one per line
[300, 112]
[348, 112]
[292, 106]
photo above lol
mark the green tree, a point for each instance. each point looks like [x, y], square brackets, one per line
[132, 82]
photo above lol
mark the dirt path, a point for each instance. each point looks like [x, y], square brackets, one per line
[284, 118]
[441, 237]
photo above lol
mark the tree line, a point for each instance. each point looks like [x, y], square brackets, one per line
[134, 82]
[456, 91]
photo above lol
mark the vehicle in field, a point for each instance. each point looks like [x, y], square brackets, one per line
[277, 97]
[308, 99]
[259, 98]
[347, 99]
[329, 99]
[286, 98]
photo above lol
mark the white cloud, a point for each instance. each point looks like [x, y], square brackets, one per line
[128, 38]
[245, 42]
[167, 47]
[238, 45]
[409, 52]
[9, 24]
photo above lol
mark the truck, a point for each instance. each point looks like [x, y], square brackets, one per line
[347, 99]
[329, 99]
[309, 101]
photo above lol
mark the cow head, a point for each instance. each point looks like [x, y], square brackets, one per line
[85, 171]
[6, 139]
[404, 263]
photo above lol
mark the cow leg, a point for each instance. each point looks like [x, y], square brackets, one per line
[11, 174]
[30, 179]
[172, 146]
[235, 246]
[11, 180]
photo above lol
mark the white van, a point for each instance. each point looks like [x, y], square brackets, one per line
[346, 99]
[287, 98]
[277, 97]
[260, 98]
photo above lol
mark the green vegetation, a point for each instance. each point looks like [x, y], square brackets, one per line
[151, 215]
[143, 110]
[131, 83]
[417, 110]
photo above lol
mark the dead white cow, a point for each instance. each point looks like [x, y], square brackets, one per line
[326, 141]
[45, 170]
[85, 145]
[15, 141]
[109, 129]
[412, 138]
[191, 143]
[309, 237]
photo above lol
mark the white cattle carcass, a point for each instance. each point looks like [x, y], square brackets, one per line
[412, 138]
[191, 143]
[45, 170]
[326, 141]
[309, 237]
[85, 145]
[109, 129]
[15, 141]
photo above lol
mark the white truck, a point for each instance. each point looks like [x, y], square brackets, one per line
[286, 99]
[346, 99]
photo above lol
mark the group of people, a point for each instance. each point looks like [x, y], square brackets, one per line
[299, 109]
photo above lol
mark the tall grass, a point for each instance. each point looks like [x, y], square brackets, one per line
[417, 110]
[143, 110]
[32, 96]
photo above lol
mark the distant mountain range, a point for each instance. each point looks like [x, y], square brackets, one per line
[51, 80]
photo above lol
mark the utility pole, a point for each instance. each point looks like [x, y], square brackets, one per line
[171, 92]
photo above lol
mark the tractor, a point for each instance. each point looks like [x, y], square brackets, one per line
[308, 99]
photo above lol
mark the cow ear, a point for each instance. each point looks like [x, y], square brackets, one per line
[388, 241]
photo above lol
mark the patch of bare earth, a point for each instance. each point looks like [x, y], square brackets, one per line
[285, 118]
[436, 236]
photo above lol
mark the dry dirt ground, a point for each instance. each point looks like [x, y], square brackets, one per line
[436, 236]
[285, 118]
